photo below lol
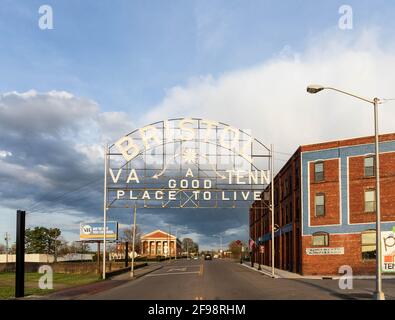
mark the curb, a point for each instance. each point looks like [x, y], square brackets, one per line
[143, 274]
[322, 277]
[261, 271]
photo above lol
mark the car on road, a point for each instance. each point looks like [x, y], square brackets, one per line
[207, 256]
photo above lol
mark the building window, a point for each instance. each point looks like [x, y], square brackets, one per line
[319, 171]
[319, 204]
[368, 245]
[369, 166]
[321, 239]
[370, 201]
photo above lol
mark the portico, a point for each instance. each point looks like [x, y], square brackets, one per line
[160, 243]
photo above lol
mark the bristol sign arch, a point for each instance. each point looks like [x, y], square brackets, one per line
[186, 163]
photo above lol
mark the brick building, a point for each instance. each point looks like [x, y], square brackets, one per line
[324, 208]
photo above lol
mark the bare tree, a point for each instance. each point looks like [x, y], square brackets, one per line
[127, 236]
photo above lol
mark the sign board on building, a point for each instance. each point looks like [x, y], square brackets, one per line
[324, 251]
[95, 231]
[388, 251]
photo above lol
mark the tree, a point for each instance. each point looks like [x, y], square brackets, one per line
[2, 248]
[235, 248]
[64, 248]
[188, 245]
[43, 240]
[79, 247]
[127, 236]
[53, 241]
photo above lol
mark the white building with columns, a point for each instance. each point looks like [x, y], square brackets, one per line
[160, 243]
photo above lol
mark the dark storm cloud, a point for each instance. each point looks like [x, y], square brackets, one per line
[51, 164]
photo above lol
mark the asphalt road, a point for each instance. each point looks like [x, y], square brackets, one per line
[227, 280]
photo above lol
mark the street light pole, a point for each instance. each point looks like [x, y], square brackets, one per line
[379, 294]
[272, 201]
[221, 246]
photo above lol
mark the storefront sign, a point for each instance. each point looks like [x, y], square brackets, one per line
[324, 251]
[388, 251]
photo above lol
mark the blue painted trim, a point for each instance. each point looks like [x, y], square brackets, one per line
[266, 237]
[343, 153]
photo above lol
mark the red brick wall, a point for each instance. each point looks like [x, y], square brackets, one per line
[330, 187]
[329, 264]
[358, 183]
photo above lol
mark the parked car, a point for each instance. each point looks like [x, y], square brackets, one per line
[207, 256]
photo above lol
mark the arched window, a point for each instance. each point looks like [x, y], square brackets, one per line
[368, 244]
[320, 239]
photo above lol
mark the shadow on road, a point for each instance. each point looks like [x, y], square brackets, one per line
[335, 293]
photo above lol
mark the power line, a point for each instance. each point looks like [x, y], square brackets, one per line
[34, 206]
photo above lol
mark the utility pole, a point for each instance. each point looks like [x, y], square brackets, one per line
[175, 258]
[6, 238]
[134, 240]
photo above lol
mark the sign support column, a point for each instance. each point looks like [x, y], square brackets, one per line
[134, 239]
[105, 210]
[20, 254]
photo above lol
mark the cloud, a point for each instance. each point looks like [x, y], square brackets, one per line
[51, 147]
[271, 99]
[51, 143]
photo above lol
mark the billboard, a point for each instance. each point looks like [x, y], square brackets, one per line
[95, 231]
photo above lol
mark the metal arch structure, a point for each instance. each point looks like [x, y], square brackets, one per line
[186, 163]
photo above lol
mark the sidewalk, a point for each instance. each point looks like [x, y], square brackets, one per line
[278, 273]
[76, 293]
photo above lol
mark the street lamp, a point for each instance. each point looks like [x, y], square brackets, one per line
[379, 294]
[220, 237]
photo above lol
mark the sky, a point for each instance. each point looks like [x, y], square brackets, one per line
[109, 67]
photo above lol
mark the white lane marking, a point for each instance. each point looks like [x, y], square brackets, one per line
[185, 266]
[177, 269]
[170, 274]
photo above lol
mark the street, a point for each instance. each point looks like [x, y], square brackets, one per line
[228, 280]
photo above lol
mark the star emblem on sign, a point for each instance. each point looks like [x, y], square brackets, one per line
[189, 155]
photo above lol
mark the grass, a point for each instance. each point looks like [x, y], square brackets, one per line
[60, 281]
